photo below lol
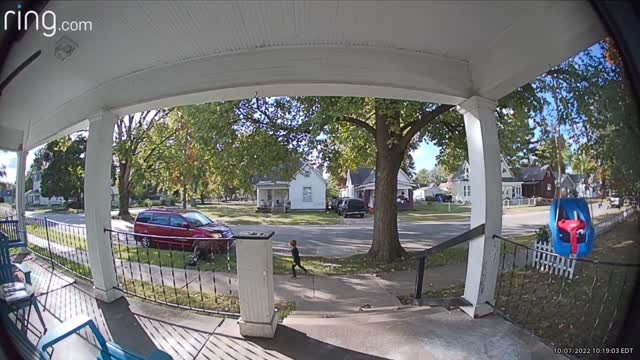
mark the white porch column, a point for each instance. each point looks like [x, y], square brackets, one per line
[257, 197]
[97, 205]
[486, 205]
[258, 317]
[20, 190]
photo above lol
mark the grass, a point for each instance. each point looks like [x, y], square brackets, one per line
[196, 299]
[434, 212]
[69, 265]
[77, 241]
[319, 265]
[5, 205]
[247, 215]
[356, 264]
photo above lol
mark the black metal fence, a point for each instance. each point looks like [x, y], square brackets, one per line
[63, 245]
[192, 273]
[579, 310]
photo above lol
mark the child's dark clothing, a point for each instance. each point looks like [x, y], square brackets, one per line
[296, 261]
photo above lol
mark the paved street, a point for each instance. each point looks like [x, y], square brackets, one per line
[354, 238]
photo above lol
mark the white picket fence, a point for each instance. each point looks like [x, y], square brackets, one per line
[519, 202]
[614, 220]
[550, 262]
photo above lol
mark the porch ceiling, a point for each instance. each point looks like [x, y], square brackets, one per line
[144, 54]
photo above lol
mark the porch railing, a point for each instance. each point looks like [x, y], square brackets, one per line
[190, 273]
[584, 311]
[63, 245]
[421, 262]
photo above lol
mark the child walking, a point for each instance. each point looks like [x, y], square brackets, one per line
[296, 259]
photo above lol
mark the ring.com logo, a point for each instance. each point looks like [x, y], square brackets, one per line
[48, 21]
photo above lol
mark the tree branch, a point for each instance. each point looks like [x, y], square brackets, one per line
[418, 124]
[359, 123]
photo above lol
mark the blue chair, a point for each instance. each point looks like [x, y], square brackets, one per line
[575, 209]
[11, 229]
[7, 276]
[108, 350]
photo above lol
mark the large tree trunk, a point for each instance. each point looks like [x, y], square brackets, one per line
[184, 196]
[123, 190]
[386, 243]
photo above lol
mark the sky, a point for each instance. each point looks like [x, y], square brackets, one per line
[425, 156]
[10, 160]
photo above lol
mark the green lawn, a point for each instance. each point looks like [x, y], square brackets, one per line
[434, 212]
[69, 239]
[247, 215]
[356, 264]
[4, 204]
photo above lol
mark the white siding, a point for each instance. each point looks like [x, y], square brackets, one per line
[318, 190]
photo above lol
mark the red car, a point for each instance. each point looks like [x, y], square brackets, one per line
[179, 229]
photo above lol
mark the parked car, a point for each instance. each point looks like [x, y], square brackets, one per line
[442, 198]
[158, 227]
[352, 207]
[333, 204]
[615, 201]
[339, 202]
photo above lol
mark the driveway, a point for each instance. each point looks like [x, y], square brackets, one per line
[350, 239]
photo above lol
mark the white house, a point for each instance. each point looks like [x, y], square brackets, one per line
[361, 184]
[33, 196]
[306, 191]
[461, 186]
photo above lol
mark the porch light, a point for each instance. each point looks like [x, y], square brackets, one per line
[65, 47]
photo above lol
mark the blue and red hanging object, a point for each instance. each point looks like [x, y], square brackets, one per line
[571, 228]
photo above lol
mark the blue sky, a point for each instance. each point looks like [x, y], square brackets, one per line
[425, 156]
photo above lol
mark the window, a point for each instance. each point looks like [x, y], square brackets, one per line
[307, 173]
[467, 190]
[161, 219]
[177, 221]
[548, 187]
[197, 219]
[306, 194]
[144, 217]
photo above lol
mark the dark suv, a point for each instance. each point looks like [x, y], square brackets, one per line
[180, 229]
[352, 207]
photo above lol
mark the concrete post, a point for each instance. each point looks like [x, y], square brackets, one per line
[486, 207]
[20, 197]
[97, 206]
[258, 317]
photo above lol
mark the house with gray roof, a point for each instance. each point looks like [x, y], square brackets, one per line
[537, 181]
[361, 183]
[460, 185]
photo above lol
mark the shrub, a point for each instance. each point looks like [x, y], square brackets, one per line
[148, 203]
[543, 234]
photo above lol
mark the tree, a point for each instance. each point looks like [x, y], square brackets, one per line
[438, 175]
[392, 126]
[332, 188]
[62, 164]
[3, 171]
[515, 131]
[131, 131]
[423, 177]
[217, 148]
